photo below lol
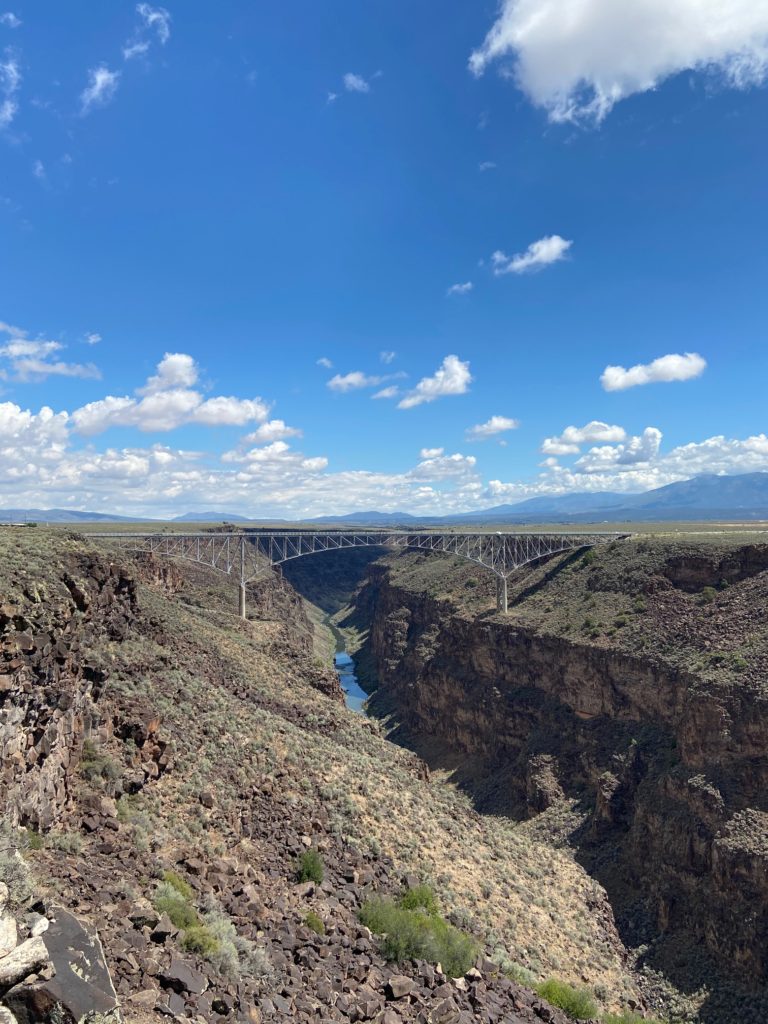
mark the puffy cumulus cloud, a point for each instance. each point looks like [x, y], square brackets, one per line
[31, 358]
[101, 88]
[452, 378]
[10, 20]
[642, 449]
[431, 453]
[572, 438]
[665, 369]
[540, 254]
[274, 430]
[167, 401]
[495, 425]
[577, 60]
[444, 467]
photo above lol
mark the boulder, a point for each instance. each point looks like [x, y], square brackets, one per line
[23, 960]
[81, 984]
[182, 977]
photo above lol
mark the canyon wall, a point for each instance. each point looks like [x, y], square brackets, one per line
[671, 764]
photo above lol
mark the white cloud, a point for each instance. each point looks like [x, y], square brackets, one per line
[175, 370]
[356, 380]
[431, 453]
[10, 81]
[460, 289]
[29, 358]
[486, 165]
[577, 60]
[495, 425]
[153, 21]
[325, 362]
[353, 381]
[92, 338]
[444, 467]
[665, 369]
[355, 83]
[38, 170]
[387, 357]
[273, 430]
[452, 378]
[332, 97]
[157, 18]
[572, 438]
[636, 450]
[102, 85]
[168, 401]
[10, 20]
[389, 392]
[547, 250]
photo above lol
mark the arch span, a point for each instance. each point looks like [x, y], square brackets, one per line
[247, 555]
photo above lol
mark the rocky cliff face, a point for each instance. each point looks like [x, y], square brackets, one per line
[673, 761]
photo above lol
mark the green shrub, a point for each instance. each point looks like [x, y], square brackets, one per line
[421, 897]
[588, 557]
[315, 923]
[576, 1002]
[416, 934]
[198, 939]
[310, 867]
[67, 842]
[168, 900]
[520, 974]
[13, 868]
[182, 887]
[620, 621]
[708, 595]
[627, 1017]
[97, 767]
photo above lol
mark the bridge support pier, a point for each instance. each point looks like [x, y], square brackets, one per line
[501, 595]
[241, 602]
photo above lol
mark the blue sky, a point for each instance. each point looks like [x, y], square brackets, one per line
[474, 209]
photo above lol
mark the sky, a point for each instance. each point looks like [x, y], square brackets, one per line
[285, 260]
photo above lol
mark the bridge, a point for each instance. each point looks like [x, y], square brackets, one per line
[248, 555]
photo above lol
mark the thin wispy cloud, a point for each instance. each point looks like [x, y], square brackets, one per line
[389, 392]
[10, 20]
[355, 83]
[38, 170]
[101, 88]
[452, 378]
[486, 165]
[10, 81]
[546, 251]
[356, 380]
[387, 357]
[154, 25]
[460, 289]
[325, 362]
[576, 61]
[663, 370]
[92, 338]
[495, 425]
[31, 359]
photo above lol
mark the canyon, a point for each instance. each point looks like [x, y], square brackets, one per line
[579, 782]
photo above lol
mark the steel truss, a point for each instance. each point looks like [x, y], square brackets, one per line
[248, 556]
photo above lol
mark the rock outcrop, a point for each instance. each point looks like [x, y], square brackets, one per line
[672, 759]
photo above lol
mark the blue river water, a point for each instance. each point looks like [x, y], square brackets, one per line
[353, 692]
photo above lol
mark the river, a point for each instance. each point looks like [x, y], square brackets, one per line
[354, 694]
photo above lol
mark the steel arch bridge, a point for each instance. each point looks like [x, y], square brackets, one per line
[247, 556]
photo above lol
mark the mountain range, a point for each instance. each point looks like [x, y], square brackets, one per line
[705, 497]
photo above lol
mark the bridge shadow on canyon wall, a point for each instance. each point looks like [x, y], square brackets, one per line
[498, 785]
